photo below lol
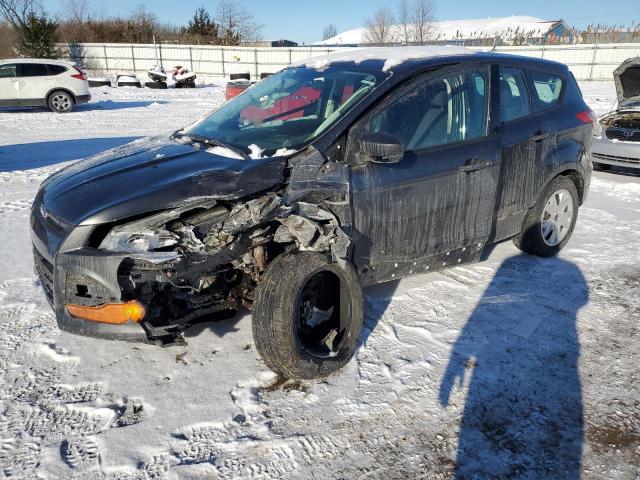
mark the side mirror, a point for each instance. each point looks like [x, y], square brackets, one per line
[381, 147]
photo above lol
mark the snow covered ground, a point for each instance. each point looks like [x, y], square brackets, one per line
[518, 367]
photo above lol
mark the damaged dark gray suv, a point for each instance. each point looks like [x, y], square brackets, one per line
[338, 173]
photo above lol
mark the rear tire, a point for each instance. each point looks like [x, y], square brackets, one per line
[307, 315]
[60, 101]
[548, 225]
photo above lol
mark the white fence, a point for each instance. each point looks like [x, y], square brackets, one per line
[587, 62]
[204, 60]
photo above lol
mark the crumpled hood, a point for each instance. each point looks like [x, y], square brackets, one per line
[627, 78]
[149, 175]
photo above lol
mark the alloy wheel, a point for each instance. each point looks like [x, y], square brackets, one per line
[557, 217]
[61, 102]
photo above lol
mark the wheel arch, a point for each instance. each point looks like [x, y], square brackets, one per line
[577, 180]
[569, 170]
[60, 89]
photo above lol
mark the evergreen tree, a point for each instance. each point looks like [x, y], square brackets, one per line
[202, 25]
[37, 36]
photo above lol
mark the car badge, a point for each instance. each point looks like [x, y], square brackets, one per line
[43, 211]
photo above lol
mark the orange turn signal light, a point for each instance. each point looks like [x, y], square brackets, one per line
[113, 313]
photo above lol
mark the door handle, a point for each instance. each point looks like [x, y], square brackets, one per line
[539, 135]
[473, 164]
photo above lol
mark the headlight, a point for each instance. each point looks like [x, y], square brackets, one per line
[135, 242]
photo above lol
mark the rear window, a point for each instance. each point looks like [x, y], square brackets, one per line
[546, 90]
[56, 69]
[33, 70]
[7, 71]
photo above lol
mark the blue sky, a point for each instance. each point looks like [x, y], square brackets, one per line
[303, 21]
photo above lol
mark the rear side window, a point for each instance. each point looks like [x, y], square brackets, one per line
[547, 88]
[7, 71]
[443, 110]
[514, 98]
[32, 70]
[56, 69]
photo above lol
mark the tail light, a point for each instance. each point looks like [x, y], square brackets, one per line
[80, 75]
[587, 116]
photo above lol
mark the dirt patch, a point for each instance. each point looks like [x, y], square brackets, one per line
[284, 384]
[620, 430]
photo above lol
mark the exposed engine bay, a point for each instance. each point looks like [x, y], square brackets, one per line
[621, 120]
[206, 257]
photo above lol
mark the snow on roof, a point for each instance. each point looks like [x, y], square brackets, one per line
[392, 56]
[504, 27]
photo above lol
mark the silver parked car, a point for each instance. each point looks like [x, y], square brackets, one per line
[616, 138]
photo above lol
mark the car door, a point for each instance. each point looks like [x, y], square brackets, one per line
[9, 87]
[527, 139]
[35, 82]
[436, 205]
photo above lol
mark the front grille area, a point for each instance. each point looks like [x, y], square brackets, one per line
[44, 269]
[614, 158]
[624, 134]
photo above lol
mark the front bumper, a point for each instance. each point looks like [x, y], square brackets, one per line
[615, 152]
[99, 274]
[129, 332]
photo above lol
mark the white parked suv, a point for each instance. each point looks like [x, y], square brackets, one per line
[29, 82]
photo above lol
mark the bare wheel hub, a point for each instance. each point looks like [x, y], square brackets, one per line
[318, 325]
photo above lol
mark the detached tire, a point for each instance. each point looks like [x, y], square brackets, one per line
[307, 315]
[156, 85]
[548, 225]
[601, 167]
[240, 76]
[60, 101]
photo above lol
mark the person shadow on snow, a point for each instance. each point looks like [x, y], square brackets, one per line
[518, 355]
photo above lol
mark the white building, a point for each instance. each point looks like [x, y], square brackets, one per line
[507, 30]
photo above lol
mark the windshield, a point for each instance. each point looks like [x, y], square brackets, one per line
[289, 109]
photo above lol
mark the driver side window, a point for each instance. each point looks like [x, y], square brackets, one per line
[7, 71]
[446, 109]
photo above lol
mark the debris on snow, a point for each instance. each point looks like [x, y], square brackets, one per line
[133, 411]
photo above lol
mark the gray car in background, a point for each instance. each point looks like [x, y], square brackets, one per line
[616, 138]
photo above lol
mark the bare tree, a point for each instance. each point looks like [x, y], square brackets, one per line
[73, 24]
[17, 12]
[329, 32]
[7, 40]
[77, 11]
[36, 31]
[379, 27]
[423, 20]
[405, 19]
[237, 25]
[141, 26]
